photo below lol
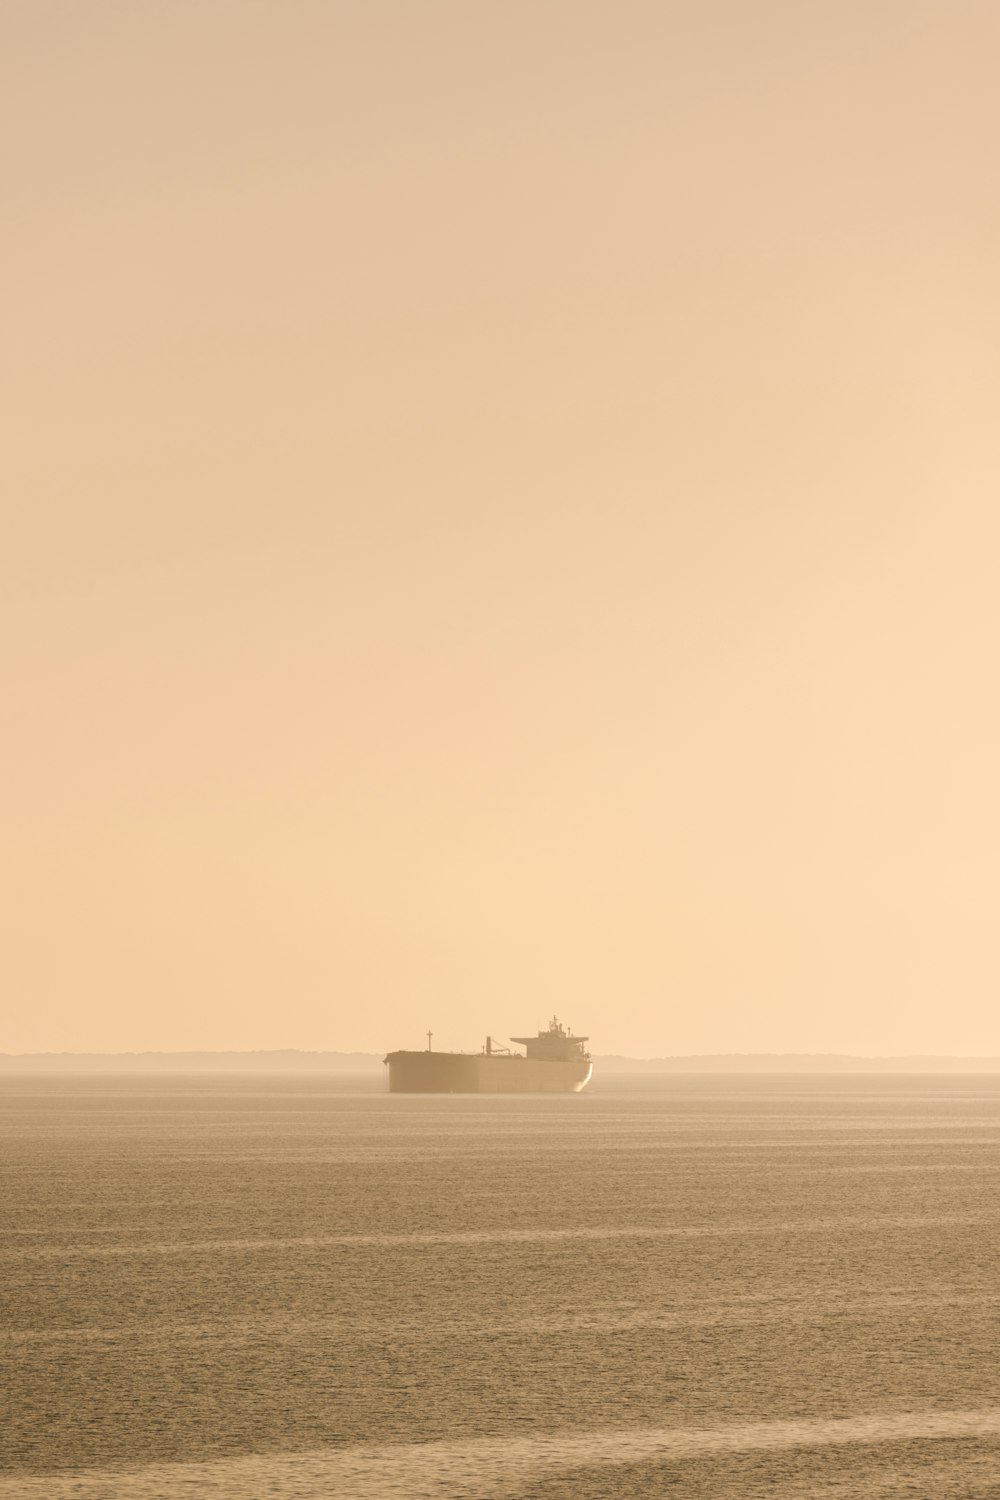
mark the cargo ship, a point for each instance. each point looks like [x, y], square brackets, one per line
[553, 1062]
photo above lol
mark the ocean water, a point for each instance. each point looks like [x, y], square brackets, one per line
[686, 1287]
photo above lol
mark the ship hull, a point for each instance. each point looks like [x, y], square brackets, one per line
[463, 1073]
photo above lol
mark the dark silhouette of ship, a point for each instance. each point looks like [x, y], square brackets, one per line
[553, 1062]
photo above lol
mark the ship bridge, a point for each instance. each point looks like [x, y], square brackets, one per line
[557, 1044]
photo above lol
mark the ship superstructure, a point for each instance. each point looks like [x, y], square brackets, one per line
[553, 1062]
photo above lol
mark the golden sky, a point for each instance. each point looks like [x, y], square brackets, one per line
[501, 516]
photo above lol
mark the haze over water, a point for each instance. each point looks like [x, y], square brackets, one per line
[502, 509]
[708, 1287]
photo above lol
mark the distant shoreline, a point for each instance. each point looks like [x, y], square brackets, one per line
[299, 1062]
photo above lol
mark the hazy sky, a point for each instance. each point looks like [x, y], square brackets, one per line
[502, 515]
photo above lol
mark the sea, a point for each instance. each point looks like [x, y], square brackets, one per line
[302, 1288]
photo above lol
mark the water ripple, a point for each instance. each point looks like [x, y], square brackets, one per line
[491, 1468]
